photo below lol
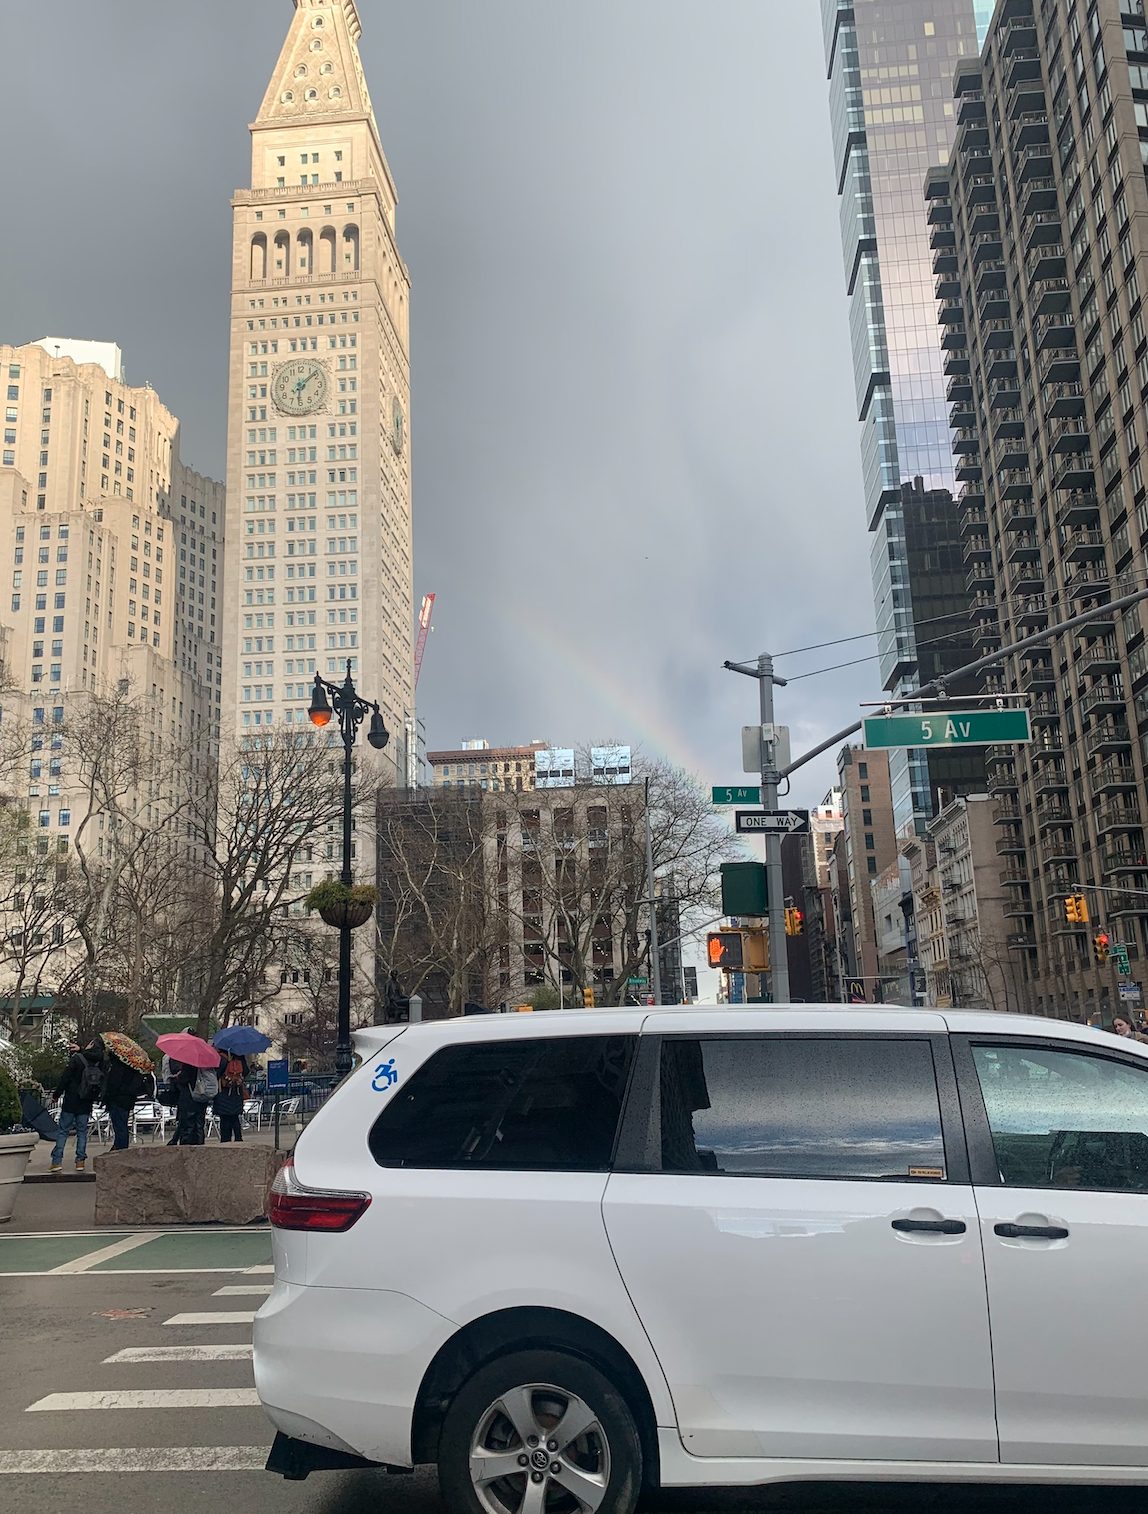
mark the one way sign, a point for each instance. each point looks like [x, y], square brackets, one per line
[763, 822]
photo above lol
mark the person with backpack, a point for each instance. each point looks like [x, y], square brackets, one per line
[197, 1087]
[81, 1084]
[229, 1100]
[122, 1087]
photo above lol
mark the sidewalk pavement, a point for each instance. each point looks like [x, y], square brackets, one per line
[61, 1203]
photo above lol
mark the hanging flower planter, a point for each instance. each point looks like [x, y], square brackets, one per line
[340, 905]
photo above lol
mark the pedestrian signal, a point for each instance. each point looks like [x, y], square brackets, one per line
[1100, 946]
[1076, 909]
[723, 950]
[794, 922]
[588, 998]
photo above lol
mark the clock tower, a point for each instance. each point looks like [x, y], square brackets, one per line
[318, 567]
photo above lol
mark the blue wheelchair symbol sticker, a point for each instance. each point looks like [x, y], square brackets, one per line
[385, 1076]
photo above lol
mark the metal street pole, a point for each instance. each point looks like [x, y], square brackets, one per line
[351, 710]
[347, 727]
[655, 965]
[775, 887]
[938, 684]
[767, 763]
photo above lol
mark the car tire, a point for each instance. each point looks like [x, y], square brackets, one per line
[505, 1446]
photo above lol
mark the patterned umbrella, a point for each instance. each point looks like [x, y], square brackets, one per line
[182, 1046]
[127, 1050]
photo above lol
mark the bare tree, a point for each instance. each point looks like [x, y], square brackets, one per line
[470, 877]
[267, 807]
[436, 924]
[37, 929]
[584, 886]
[133, 790]
[309, 968]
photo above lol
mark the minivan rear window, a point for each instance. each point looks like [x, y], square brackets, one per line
[547, 1104]
[816, 1107]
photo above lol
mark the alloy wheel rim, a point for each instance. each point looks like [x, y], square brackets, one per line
[539, 1449]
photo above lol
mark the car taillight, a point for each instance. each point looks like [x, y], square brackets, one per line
[295, 1207]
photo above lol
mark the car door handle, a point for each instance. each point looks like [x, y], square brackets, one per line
[1038, 1232]
[937, 1227]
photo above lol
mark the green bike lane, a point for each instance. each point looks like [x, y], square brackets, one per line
[123, 1249]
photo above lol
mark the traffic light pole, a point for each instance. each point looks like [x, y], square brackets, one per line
[775, 888]
[938, 684]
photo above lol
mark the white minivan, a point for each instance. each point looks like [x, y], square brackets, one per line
[568, 1256]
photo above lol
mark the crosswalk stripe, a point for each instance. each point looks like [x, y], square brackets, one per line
[234, 1290]
[149, 1398]
[220, 1317]
[104, 1254]
[137, 1459]
[235, 1353]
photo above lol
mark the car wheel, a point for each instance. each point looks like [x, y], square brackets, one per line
[539, 1432]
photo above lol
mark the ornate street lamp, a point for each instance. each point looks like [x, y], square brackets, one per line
[351, 711]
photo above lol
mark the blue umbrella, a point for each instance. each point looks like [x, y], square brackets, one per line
[240, 1039]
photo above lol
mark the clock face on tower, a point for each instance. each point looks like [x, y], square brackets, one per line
[299, 386]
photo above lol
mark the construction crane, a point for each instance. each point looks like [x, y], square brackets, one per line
[424, 627]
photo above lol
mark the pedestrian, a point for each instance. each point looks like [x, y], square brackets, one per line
[190, 1111]
[122, 1087]
[229, 1100]
[81, 1084]
[168, 1094]
[1122, 1026]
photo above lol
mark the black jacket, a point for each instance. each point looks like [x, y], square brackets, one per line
[69, 1084]
[229, 1100]
[124, 1085]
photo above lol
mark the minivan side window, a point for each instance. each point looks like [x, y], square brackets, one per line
[532, 1104]
[815, 1107]
[1065, 1119]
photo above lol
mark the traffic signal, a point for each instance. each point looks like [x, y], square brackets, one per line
[794, 922]
[724, 951]
[1100, 946]
[588, 998]
[1076, 909]
[755, 950]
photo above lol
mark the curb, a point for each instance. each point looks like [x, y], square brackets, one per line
[60, 1177]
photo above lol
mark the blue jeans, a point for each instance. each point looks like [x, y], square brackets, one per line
[120, 1127]
[69, 1122]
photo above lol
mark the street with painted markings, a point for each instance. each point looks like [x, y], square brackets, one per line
[129, 1385]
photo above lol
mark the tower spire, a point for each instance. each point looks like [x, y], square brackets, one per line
[319, 75]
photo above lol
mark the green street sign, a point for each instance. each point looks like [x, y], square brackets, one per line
[745, 793]
[948, 728]
[1120, 956]
[637, 982]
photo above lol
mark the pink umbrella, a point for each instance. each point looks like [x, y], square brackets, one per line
[182, 1046]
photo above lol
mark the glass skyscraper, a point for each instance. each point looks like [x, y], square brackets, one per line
[890, 67]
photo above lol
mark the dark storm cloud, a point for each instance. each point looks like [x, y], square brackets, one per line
[634, 442]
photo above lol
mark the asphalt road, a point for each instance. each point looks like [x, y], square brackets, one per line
[76, 1342]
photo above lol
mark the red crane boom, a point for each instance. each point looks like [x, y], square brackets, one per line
[424, 627]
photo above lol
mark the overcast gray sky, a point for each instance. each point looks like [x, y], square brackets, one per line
[633, 430]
